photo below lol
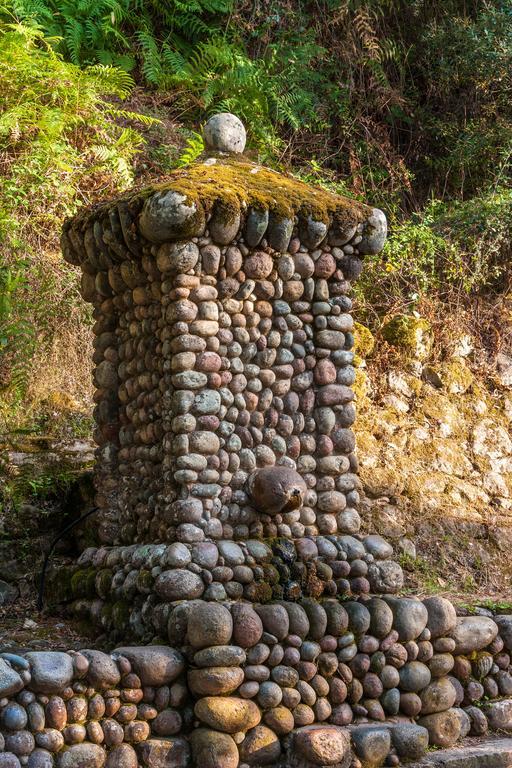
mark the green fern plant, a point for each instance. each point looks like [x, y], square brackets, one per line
[193, 148]
[56, 141]
[121, 32]
[219, 76]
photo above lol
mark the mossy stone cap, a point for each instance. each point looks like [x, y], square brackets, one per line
[225, 193]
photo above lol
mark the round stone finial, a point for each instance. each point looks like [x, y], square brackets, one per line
[225, 133]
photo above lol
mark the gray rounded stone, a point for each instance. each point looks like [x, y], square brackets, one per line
[409, 740]
[255, 226]
[358, 617]
[40, 758]
[279, 232]
[103, 672]
[179, 585]
[371, 744]
[177, 555]
[409, 617]
[209, 624]
[21, 743]
[478, 721]
[220, 656]
[385, 576]
[51, 671]
[381, 617]
[225, 132]
[269, 695]
[441, 616]
[391, 701]
[231, 552]
[9, 760]
[10, 681]
[177, 257]
[170, 216]
[375, 230]
[155, 664]
[317, 618]
[13, 717]
[82, 756]
[298, 619]
[437, 696]
[275, 619]
[378, 547]
[472, 633]
[414, 676]
[465, 722]
[505, 627]
[312, 232]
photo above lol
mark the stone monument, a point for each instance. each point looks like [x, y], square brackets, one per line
[268, 628]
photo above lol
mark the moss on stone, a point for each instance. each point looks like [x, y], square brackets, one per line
[410, 333]
[103, 582]
[120, 615]
[231, 186]
[361, 385]
[83, 583]
[456, 376]
[145, 581]
[364, 341]
[106, 615]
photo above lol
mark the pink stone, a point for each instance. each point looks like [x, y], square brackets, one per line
[325, 372]
[208, 362]
[325, 266]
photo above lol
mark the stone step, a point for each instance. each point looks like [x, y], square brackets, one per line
[473, 753]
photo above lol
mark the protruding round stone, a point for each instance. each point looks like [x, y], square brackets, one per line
[154, 664]
[471, 633]
[122, 756]
[260, 747]
[409, 740]
[209, 624]
[441, 616]
[276, 490]
[374, 232]
[228, 714]
[82, 755]
[443, 727]
[170, 216]
[225, 132]
[215, 681]
[212, 749]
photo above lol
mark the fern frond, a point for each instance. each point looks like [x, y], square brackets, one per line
[193, 148]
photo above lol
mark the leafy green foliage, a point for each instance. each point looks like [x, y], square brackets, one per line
[122, 32]
[457, 248]
[59, 135]
[220, 77]
[17, 338]
[193, 148]
[56, 141]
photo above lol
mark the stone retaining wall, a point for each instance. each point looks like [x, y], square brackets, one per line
[269, 684]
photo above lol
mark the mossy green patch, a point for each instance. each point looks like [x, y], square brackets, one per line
[103, 582]
[120, 615]
[83, 582]
[364, 340]
[409, 332]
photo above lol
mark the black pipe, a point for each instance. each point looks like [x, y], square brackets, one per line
[42, 580]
